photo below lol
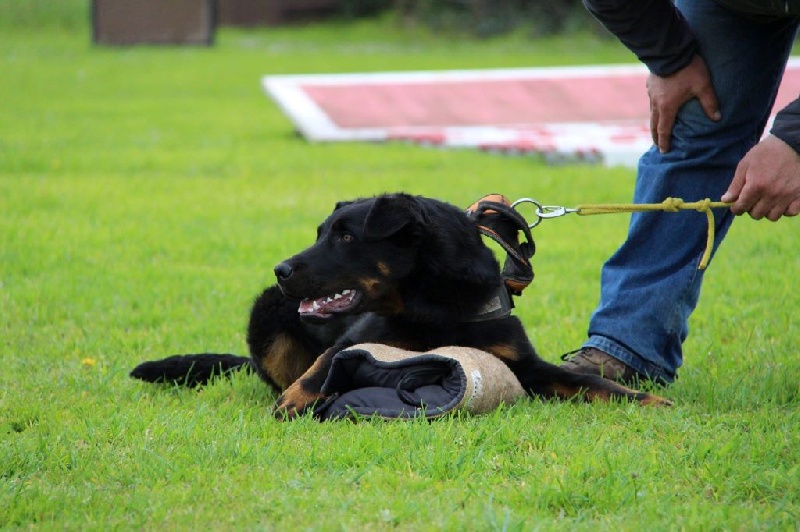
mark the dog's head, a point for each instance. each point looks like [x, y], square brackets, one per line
[387, 254]
[362, 249]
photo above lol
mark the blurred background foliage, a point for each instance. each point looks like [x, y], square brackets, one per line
[466, 18]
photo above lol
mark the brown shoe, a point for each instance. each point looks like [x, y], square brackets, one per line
[592, 361]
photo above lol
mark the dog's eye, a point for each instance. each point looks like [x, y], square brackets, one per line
[346, 238]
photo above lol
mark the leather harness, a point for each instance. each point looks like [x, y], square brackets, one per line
[496, 218]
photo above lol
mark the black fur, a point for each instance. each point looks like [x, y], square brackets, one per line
[189, 370]
[420, 273]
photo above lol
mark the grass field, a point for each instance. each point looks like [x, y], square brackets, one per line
[146, 194]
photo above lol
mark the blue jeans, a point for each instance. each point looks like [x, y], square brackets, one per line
[651, 285]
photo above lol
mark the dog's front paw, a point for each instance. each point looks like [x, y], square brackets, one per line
[294, 402]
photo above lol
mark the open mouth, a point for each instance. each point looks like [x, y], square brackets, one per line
[324, 307]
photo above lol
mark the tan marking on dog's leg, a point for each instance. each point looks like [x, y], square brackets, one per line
[504, 351]
[284, 361]
[643, 398]
[300, 394]
[294, 401]
[621, 392]
[655, 400]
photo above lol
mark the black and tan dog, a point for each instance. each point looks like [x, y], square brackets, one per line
[405, 271]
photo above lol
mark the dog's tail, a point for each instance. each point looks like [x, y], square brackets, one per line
[190, 370]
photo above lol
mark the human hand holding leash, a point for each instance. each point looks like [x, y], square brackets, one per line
[767, 181]
[667, 95]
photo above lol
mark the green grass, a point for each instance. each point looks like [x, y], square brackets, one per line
[146, 194]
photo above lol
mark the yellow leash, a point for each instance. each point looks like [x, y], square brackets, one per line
[668, 205]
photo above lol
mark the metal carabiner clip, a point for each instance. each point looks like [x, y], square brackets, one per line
[544, 212]
[553, 211]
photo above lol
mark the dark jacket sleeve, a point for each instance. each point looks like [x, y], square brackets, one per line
[654, 30]
[787, 125]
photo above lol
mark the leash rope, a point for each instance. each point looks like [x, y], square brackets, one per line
[668, 205]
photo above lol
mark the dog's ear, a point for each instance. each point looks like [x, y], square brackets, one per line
[340, 204]
[392, 216]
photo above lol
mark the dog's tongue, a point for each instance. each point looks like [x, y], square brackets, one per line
[327, 305]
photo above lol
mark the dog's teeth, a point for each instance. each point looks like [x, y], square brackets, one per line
[345, 292]
[337, 296]
[328, 300]
[315, 306]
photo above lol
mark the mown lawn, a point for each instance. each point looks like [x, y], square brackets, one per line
[146, 194]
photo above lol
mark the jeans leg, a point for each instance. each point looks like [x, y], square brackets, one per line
[651, 285]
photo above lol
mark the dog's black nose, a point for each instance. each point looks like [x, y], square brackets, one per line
[283, 271]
